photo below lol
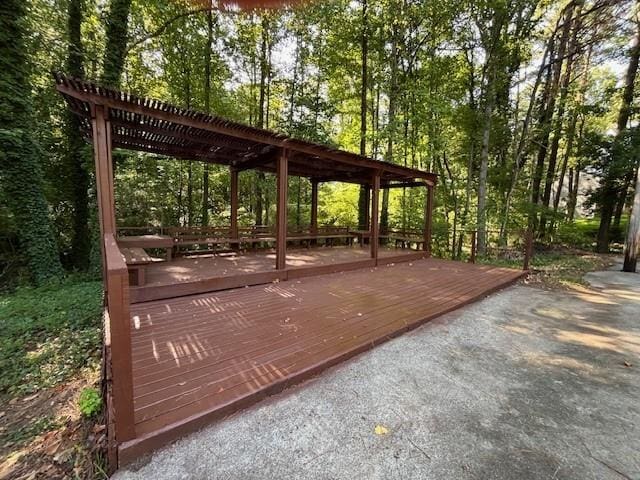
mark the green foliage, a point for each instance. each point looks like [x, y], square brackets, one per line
[25, 433]
[47, 333]
[20, 169]
[298, 71]
[557, 268]
[90, 402]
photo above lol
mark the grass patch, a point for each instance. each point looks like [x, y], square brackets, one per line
[48, 333]
[558, 268]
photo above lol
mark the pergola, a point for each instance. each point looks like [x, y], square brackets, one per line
[114, 119]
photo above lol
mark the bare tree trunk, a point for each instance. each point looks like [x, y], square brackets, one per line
[557, 129]
[632, 245]
[571, 135]
[393, 87]
[609, 191]
[484, 167]
[364, 52]
[207, 109]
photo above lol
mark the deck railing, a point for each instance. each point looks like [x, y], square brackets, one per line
[118, 338]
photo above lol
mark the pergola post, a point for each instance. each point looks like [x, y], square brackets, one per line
[428, 219]
[115, 278]
[314, 207]
[281, 209]
[233, 173]
[104, 174]
[375, 227]
[367, 207]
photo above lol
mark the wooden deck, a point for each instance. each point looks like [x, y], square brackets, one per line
[201, 357]
[199, 267]
[222, 271]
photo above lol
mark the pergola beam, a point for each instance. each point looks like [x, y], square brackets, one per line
[111, 99]
[209, 140]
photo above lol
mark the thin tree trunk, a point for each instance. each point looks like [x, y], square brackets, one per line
[384, 214]
[364, 51]
[547, 107]
[571, 134]
[207, 109]
[557, 129]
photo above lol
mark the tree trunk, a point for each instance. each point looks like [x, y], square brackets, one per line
[116, 35]
[557, 128]
[20, 171]
[547, 108]
[207, 109]
[364, 51]
[632, 245]
[609, 192]
[393, 87]
[484, 167]
[260, 178]
[571, 135]
[76, 154]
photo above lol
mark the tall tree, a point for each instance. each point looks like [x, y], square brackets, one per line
[76, 153]
[207, 108]
[609, 187]
[115, 49]
[363, 198]
[20, 169]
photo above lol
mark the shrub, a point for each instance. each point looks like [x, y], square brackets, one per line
[90, 402]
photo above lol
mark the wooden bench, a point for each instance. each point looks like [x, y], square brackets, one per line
[163, 242]
[137, 260]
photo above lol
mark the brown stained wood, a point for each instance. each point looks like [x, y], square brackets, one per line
[155, 292]
[428, 220]
[375, 225]
[220, 352]
[233, 174]
[314, 207]
[120, 337]
[282, 179]
[104, 184]
[82, 95]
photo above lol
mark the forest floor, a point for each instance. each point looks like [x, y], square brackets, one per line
[50, 347]
[529, 383]
[50, 344]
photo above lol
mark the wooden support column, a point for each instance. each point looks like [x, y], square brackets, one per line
[281, 210]
[104, 170]
[367, 207]
[116, 284]
[375, 226]
[314, 207]
[428, 220]
[104, 176]
[234, 204]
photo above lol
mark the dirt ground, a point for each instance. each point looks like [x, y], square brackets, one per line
[529, 383]
[43, 436]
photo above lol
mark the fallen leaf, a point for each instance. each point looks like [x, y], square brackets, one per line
[381, 430]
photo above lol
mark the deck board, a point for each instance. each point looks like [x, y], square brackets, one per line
[208, 354]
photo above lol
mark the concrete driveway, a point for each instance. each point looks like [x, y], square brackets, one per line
[526, 384]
